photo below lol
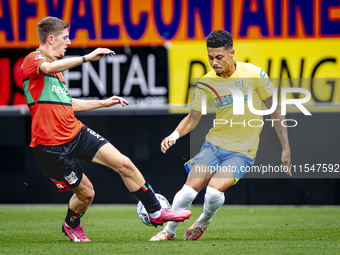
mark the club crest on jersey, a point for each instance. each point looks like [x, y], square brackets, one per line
[39, 57]
[72, 178]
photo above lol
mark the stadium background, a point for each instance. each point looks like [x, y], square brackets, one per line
[160, 47]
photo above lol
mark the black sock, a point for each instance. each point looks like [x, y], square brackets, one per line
[148, 198]
[73, 219]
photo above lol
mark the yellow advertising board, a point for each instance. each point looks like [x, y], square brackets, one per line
[288, 63]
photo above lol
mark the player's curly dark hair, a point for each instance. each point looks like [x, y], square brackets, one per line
[220, 38]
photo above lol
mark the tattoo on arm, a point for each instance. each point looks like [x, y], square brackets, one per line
[268, 102]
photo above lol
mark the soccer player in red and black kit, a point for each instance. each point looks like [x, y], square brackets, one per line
[59, 139]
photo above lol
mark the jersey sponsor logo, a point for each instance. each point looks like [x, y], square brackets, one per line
[222, 101]
[227, 101]
[72, 178]
[59, 90]
[40, 57]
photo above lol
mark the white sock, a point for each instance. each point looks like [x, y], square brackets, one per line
[155, 215]
[213, 200]
[182, 201]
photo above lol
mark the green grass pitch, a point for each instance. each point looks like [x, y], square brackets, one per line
[115, 229]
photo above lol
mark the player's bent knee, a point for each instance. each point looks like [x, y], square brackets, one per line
[86, 195]
[221, 185]
[89, 196]
[196, 187]
[196, 184]
[125, 166]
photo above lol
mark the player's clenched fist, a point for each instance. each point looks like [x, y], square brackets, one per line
[166, 144]
[169, 141]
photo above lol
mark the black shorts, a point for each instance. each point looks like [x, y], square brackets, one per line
[60, 161]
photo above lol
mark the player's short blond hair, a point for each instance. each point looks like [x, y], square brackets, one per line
[50, 26]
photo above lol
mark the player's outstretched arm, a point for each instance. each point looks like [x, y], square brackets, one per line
[87, 105]
[65, 64]
[281, 132]
[184, 127]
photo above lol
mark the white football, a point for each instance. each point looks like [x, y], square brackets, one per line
[142, 213]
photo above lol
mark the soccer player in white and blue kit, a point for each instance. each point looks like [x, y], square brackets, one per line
[227, 146]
